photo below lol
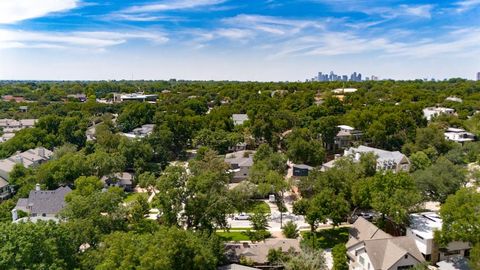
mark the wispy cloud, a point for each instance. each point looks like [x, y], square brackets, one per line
[80, 40]
[466, 5]
[172, 5]
[13, 11]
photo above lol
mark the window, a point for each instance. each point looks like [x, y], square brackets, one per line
[404, 267]
[419, 236]
[44, 215]
[406, 256]
[451, 252]
[362, 261]
[368, 266]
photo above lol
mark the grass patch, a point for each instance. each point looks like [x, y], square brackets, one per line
[325, 238]
[131, 197]
[233, 236]
[259, 206]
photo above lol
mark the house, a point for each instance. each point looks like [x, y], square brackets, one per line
[140, 132]
[458, 135]
[17, 124]
[17, 99]
[78, 97]
[431, 112]
[346, 135]
[5, 190]
[123, 180]
[29, 158]
[134, 97]
[235, 266]
[421, 230]
[258, 252]
[386, 160]
[239, 119]
[299, 170]
[369, 247]
[344, 90]
[241, 146]
[454, 99]
[240, 164]
[42, 203]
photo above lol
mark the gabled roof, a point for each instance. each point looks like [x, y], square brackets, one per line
[381, 154]
[242, 158]
[362, 230]
[384, 253]
[3, 183]
[45, 201]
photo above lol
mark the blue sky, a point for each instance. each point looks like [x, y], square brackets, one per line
[237, 40]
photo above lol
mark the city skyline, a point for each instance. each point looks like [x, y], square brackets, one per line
[237, 40]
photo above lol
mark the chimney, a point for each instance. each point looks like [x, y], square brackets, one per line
[18, 159]
[37, 187]
[14, 214]
[41, 151]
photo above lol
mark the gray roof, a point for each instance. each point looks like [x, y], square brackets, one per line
[362, 230]
[122, 178]
[3, 183]
[384, 253]
[383, 249]
[303, 166]
[45, 201]
[242, 158]
[235, 266]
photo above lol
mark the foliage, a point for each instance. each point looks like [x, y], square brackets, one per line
[36, 246]
[307, 259]
[340, 260]
[290, 230]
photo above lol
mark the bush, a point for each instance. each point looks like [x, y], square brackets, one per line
[290, 230]
[339, 254]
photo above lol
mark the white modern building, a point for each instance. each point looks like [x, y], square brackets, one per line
[134, 97]
[422, 228]
[431, 112]
[454, 99]
[344, 90]
[458, 135]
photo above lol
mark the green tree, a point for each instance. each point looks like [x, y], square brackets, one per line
[441, 179]
[307, 259]
[290, 230]
[419, 161]
[340, 260]
[393, 195]
[38, 245]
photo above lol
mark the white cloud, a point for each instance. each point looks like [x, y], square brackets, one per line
[466, 5]
[12, 11]
[172, 5]
[64, 40]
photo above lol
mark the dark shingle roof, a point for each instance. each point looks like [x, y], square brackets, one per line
[47, 201]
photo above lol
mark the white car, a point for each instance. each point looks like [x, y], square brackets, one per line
[242, 216]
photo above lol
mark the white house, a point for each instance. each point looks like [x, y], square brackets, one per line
[239, 119]
[386, 160]
[432, 112]
[459, 135]
[369, 248]
[422, 228]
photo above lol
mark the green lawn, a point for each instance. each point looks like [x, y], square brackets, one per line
[233, 236]
[326, 238]
[260, 206]
[133, 196]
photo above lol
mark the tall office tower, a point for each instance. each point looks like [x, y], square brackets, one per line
[359, 77]
[319, 78]
[353, 77]
[478, 76]
[344, 78]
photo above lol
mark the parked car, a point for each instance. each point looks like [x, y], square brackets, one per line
[241, 216]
